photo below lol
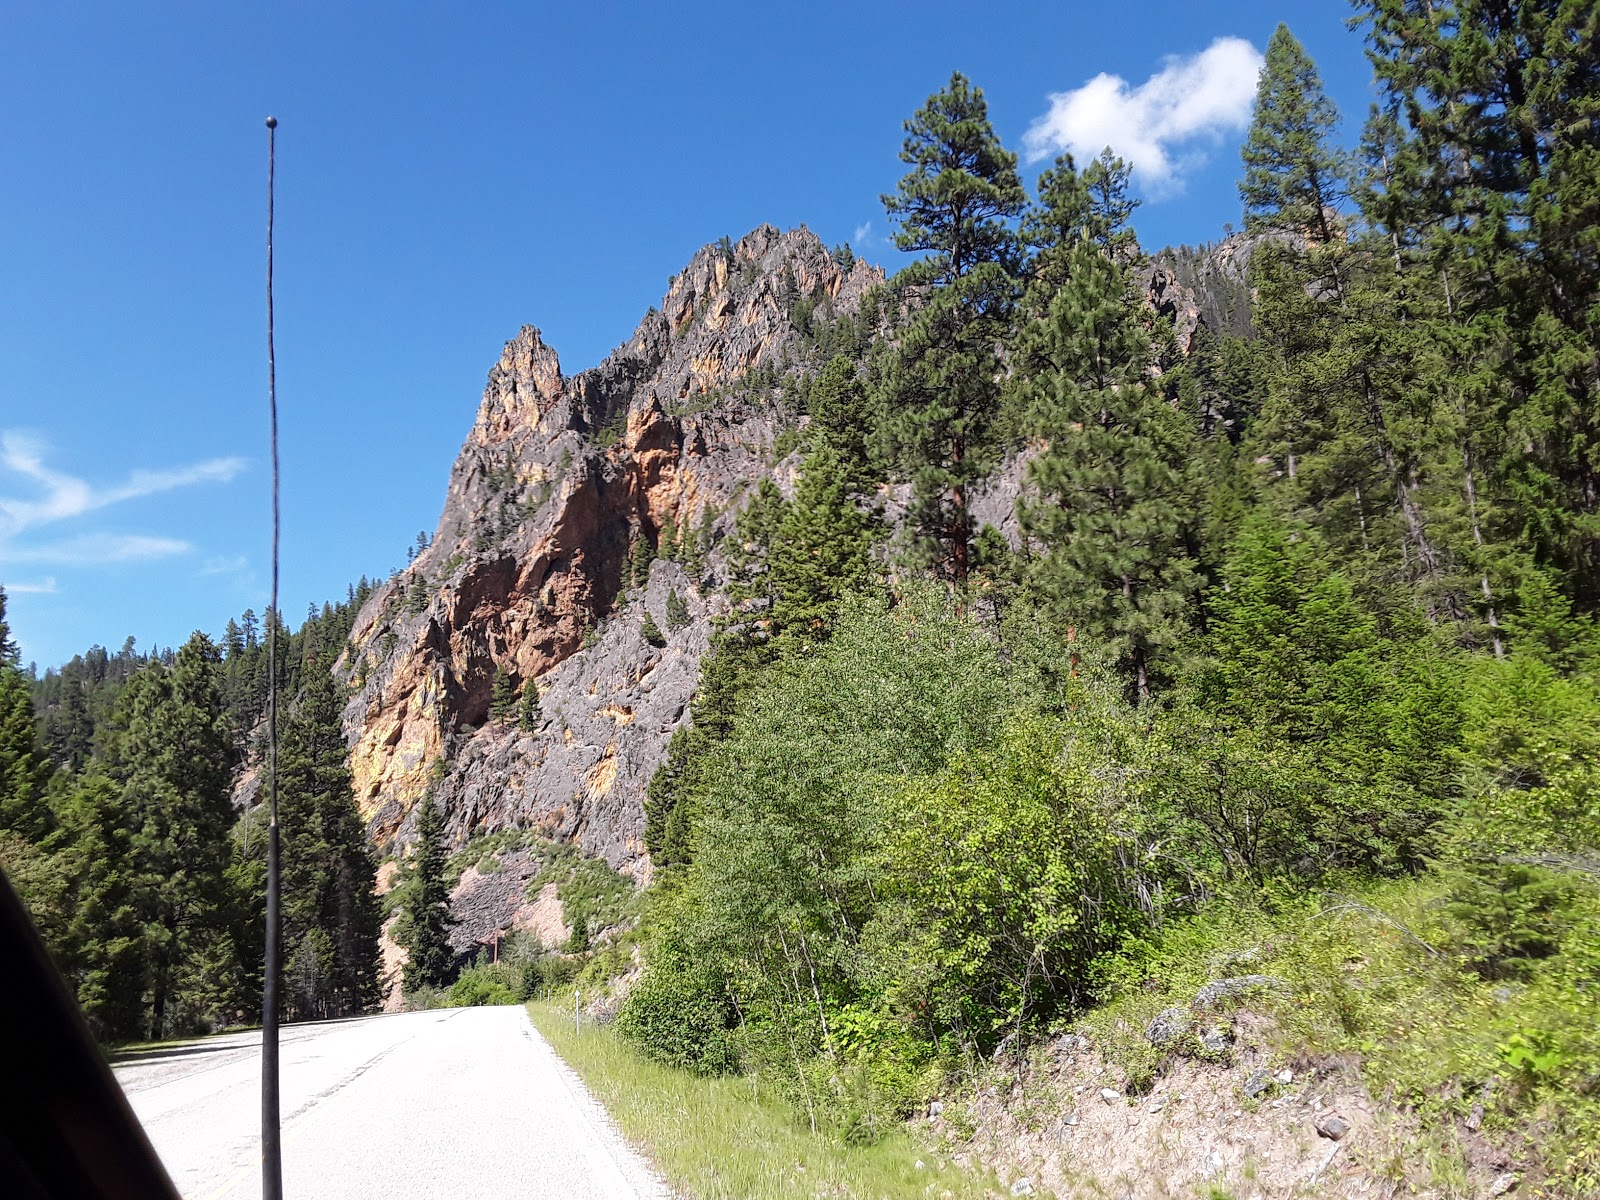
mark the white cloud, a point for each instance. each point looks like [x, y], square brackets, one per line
[863, 235]
[68, 496]
[94, 549]
[225, 565]
[60, 497]
[37, 587]
[1154, 126]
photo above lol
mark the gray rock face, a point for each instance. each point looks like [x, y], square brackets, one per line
[557, 483]
[559, 479]
[484, 905]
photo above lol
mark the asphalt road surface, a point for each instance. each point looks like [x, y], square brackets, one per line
[464, 1102]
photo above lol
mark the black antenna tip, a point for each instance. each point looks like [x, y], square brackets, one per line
[272, 122]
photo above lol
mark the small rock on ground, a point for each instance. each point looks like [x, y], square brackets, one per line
[1332, 1126]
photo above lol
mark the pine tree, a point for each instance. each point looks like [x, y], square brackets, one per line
[819, 550]
[651, 632]
[672, 798]
[502, 697]
[528, 713]
[102, 950]
[1106, 498]
[425, 932]
[1351, 424]
[178, 760]
[939, 392]
[1491, 148]
[1294, 177]
[24, 769]
[644, 553]
[10, 656]
[677, 612]
[841, 419]
[328, 872]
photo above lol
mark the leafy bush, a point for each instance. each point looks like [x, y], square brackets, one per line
[680, 1015]
[488, 983]
[1003, 879]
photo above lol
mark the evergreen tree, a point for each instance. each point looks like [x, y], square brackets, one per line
[102, 950]
[1352, 424]
[1106, 498]
[178, 758]
[819, 550]
[939, 392]
[651, 632]
[23, 768]
[1491, 148]
[502, 697]
[672, 798]
[1294, 178]
[528, 712]
[328, 872]
[644, 553]
[1050, 227]
[425, 930]
[841, 419]
[10, 656]
[677, 612]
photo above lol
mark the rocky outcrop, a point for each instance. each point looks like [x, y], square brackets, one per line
[558, 481]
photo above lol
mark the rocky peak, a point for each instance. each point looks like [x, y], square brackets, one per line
[557, 481]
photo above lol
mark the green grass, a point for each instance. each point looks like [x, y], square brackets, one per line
[716, 1138]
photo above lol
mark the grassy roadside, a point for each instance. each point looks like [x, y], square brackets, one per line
[716, 1138]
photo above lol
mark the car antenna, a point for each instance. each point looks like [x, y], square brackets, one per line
[271, 1148]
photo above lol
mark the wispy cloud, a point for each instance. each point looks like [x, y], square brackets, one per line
[66, 496]
[863, 235]
[1158, 126]
[225, 565]
[35, 587]
[91, 549]
[57, 496]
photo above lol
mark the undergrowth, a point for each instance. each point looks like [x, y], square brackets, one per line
[1398, 977]
[725, 1138]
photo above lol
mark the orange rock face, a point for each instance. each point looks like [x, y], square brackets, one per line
[559, 481]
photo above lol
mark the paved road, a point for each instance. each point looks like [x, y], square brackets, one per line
[466, 1102]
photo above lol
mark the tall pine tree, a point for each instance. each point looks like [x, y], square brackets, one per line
[939, 391]
[1106, 498]
[1491, 131]
[328, 873]
[178, 758]
[425, 929]
[23, 768]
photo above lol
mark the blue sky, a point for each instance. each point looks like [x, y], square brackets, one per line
[447, 173]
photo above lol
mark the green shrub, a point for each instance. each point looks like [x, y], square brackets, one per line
[651, 632]
[1514, 915]
[680, 1015]
[490, 983]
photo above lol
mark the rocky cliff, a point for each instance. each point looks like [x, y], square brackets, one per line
[558, 482]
